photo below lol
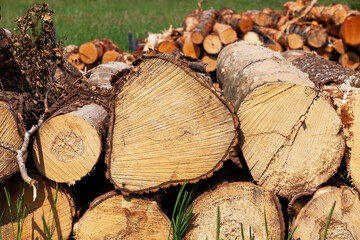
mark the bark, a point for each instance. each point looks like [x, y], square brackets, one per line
[225, 32]
[241, 24]
[58, 216]
[333, 14]
[240, 204]
[344, 224]
[113, 216]
[168, 127]
[279, 111]
[67, 146]
[204, 27]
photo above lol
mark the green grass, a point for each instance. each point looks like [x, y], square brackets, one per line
[85, 20]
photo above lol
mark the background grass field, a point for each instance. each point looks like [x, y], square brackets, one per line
[84, 20]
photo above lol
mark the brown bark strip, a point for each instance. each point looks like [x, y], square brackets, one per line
[204, 27]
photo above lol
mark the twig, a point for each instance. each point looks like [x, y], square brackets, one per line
[286, 26]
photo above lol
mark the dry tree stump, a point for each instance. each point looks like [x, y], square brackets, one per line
[168, 127]
[344, 223]
[9, 135]
[60, 216]
[290, 135]
[67, 146]
[113, 216]
[239, 203]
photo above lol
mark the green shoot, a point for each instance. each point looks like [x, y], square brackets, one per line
[218, 224]
[328, 221]
[292, 233]
[49, 232]
[266, 225]
[182, 212]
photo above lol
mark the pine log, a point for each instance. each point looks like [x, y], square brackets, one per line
[225, 32]
[294, 41]
[188, 47]
[225, 14]
[279, 111]
[262, 19]
[338, 44]
[241, 204]
[204, 27]
[350, 60]
[90, 53]
[9, 135]
[74, 59]
[58, 217]
[168, 127]
[167, 46]
[191, 21]
[113, 216]
[316, 37]
[109, 56]
[254, 38]
[212, 44]
[241, 24]
[67, 146]
[100, 75]
[210, 60]
[344, 224]
[350, 30]
[333, 14]
[127, 58]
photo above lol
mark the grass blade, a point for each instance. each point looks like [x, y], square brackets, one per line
[218, 224]
[292, 233]
[266, 225]
[242, 231]
[328, 221]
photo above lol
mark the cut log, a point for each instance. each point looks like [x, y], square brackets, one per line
[350, 30]
[113, 216]
[279, 111]
[241, 24]
[190, 22]
[67, 146]
[226, 33]
[167, 46]
[204, 27]
[241, 204]
[90, 53]
[262, 19]
[168, 127]
[212, 44]
[9, 135]
[333, 14]
[316, 38]
[58, 217]
[294, 41]
[109, 56]
[74, 59]
[344, 223]
[210, 60]
[350, 60]
[188, 47]
[127, 58]
[337, 44]
[100, 75]
[254, 38]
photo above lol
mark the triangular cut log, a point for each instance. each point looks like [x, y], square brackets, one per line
[68, 146]
[113, 216]
[290, 135]
[344, 224]
[240, 204]
[10, 136]
[58, 216]
[169, 127]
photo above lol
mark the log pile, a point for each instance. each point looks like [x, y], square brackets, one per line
[332, 31]
[270, 138]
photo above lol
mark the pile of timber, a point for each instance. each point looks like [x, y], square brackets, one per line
[279, 143]
[332, 31]
[93, 53]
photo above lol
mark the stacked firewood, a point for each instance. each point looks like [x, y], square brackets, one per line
[331, 31]
[93, 53]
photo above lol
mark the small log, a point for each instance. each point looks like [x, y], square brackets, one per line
[241, 204]
[9, 135]
[127, 58]
[190, 22]
[90, 53]
[278, 118]
[204, 27]
[164, 118]
[109, 56]
[113, 216]
[226, 33]
[212, 44]
[210, 60]
[188, 47]
[74, 59]
[344, 224]
[350, 30]
[350, 60]
[58, 217]
[316, 37]
[333, 14]
[262, 19]
[67, 146]
[254, 38]
[241, 24]
[167, 46]
[294, 41]
[337, 44]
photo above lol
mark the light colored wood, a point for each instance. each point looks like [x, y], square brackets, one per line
[253, 38]
[190, 22]
[294, 41]
[167, 46]
[74, 59]
[290, 135]
[344, 224]
[43, 206]
[9, 135]
[67, 146]
[204, 27]
[188, 47]
[239, 203]
[337, 44]
[168, 127]
[350, 60]
[350, 30]
[317, 38]
[89, 53]
[210, 60]
[226, 33]
[113, 216]
[354, 161]
[262, 19]
[109, 56]
[333, 14]
[212, 44]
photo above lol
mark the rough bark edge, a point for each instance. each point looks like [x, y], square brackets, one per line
[274, 197]
[230, 153]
